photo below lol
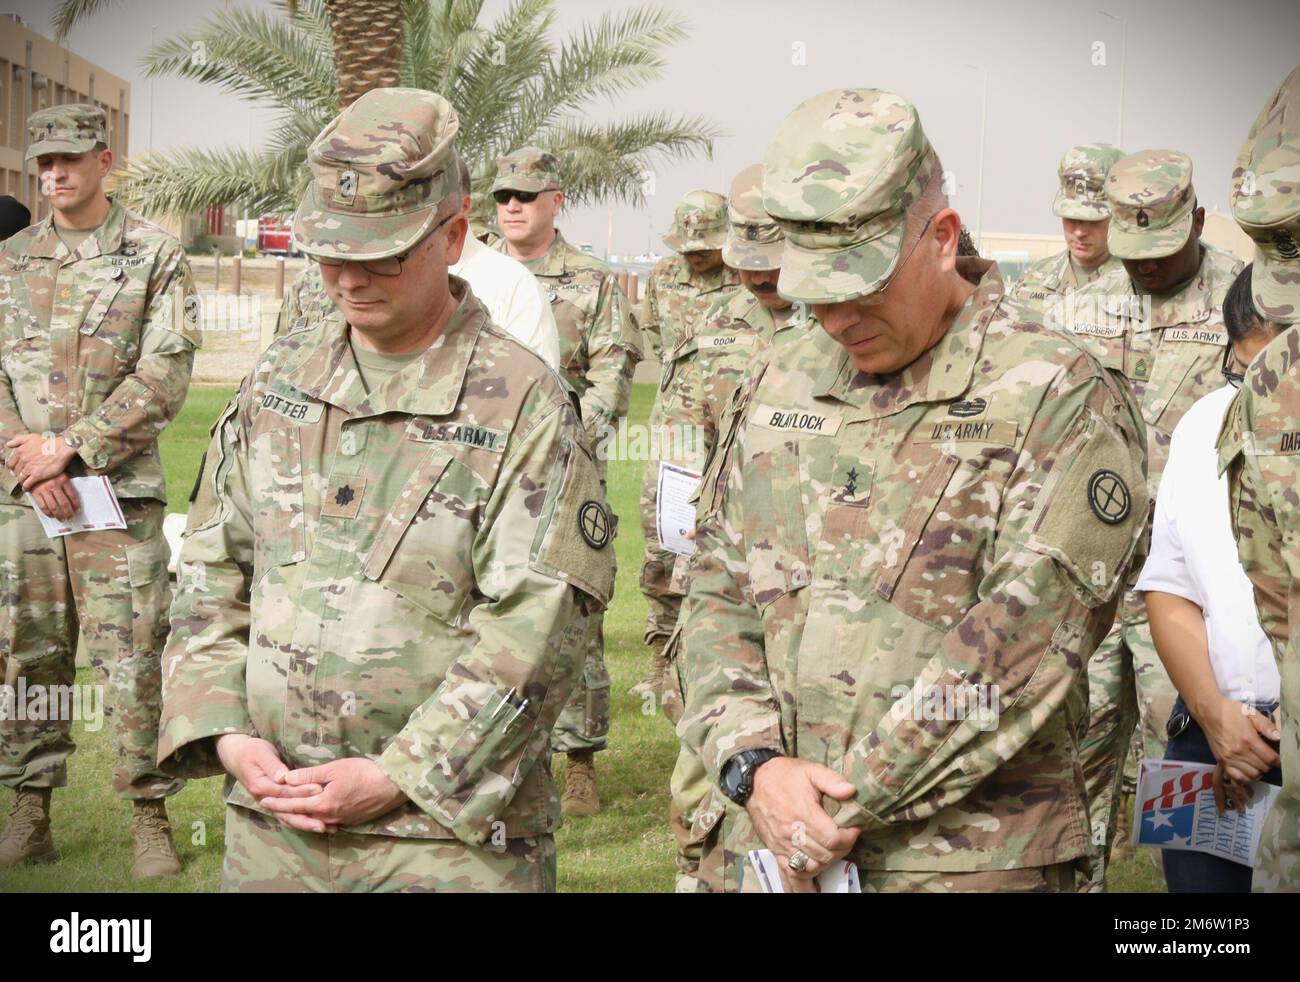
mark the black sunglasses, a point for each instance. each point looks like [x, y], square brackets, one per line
[1235, 379]
[503, 196]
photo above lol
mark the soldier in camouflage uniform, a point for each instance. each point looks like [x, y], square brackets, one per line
[600, 346]
[1261, 440]
[396, 538]
[679, 293]
[1157, 324]
[304, 302]
[709, 368]
[912, 536]
[1081, 206]
[100, 323]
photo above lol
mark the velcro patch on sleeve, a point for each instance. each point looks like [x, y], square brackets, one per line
[1095, 514]
[574, 540]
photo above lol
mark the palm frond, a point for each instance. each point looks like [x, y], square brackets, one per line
[510, 81]
[189, 180]
[69, 13]
[252, 54]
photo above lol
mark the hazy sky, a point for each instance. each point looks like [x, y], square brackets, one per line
[1197, 72]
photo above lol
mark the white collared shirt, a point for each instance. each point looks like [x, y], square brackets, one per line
[517, 303]
[1194, 555]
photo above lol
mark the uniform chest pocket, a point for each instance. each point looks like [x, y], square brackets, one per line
[777, 538]
[279, 531]
[424, 549]
[114, 316]
[1183, 372]
[933, 535]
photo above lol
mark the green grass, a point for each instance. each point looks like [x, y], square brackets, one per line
[626, 848]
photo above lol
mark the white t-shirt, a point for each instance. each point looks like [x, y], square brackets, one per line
[1194, 555]
[517, 302]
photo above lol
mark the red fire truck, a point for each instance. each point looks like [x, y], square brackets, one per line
[273, 236]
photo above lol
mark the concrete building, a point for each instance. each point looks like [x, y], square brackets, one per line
[36, 73]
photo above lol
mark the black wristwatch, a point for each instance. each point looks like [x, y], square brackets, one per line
[737, 781]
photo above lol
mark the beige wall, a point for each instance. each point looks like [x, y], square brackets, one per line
[56, 76]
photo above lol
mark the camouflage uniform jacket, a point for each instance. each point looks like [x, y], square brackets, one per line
[305, 301]
[727, 349]
[1260, 449]
[871, 544]
[1169, 361]
[1055, 276]
[389, 575]
[97, 346]
[677, 298]
[599, 342]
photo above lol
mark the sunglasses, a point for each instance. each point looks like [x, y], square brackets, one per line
[389, 265]
[1235, 379]
[503, 196]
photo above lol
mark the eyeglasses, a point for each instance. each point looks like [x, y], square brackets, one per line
[1235, 379]
[388, 265]
[878, 294]
[503, 196]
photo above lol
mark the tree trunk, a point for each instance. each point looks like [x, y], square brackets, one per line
[367, 46]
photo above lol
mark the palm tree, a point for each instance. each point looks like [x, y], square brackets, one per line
[510, 82]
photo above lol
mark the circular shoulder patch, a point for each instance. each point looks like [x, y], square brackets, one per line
[593, 523]
[1109, 497]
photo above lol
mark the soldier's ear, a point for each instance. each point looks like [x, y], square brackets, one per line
[946, 229]
[105, 162]
[455, 234]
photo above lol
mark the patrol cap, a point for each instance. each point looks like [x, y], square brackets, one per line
[839, 177]
[699, 223]
[71, 128]
[528, 169]
[379, 170]
[1151, 201]
[1266, 202]
[1082, 173]
[753, 239]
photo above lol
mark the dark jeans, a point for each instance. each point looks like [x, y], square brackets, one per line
[1197, 872]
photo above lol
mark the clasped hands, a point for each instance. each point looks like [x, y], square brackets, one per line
[786, 809]
[40, 462]
[348, 791]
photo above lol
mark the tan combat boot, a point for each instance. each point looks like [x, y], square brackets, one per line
[27, 837]
[580, 799]
[654, 676]
[155, 852]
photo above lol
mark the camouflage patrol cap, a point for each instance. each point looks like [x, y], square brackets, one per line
[699, 223]
[379, 171]
[1151, 201]
[528, 169]
[839, 178]
[753, 239]
[1082, 173]
[72, 128]
[1266, 202]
